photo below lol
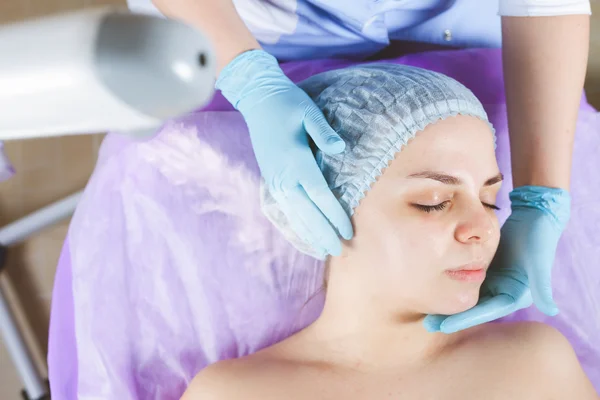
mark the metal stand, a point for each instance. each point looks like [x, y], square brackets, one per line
[35, 386]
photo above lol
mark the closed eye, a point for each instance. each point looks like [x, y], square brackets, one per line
[491, 206]
[428, 209]
[442, 206]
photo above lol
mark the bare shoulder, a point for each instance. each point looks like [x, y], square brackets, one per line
[237, 379]
[541, 343]
[530, 339]
[542, 352]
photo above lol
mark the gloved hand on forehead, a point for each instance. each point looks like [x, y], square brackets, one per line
[280, 117]
[521, 272]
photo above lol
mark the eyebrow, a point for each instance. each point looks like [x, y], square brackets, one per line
[453, 180]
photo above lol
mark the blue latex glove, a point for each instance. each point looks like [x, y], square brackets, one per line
[279, 116]
[521, 271]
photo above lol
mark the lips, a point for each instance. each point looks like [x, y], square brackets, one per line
[474, 272]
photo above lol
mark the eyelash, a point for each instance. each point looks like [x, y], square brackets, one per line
[441, 206]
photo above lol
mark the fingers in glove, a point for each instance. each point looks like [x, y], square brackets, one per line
[489, 309]
[317, 189]
[316, 227]
[321, 133]
[301, 229]
[433, 322]
[540, 282]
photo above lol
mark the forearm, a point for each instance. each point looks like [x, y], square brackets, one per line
[545, 60]
[219, 20]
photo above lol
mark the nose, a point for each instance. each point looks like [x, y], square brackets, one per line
[476, 227]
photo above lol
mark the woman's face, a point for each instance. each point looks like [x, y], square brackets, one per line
[427, 231]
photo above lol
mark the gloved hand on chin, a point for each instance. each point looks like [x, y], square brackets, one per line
[521, 272]
[280, 116]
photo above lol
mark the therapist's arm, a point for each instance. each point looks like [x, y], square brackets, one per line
[545, 60]
[219, 20]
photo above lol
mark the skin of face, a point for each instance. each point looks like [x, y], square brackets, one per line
[403, 248]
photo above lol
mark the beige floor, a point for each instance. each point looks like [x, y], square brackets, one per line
[50, 169]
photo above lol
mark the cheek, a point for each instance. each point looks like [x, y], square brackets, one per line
[492, 243]
[403, 244]
[428, 237]
[415, 247]
[496, 224]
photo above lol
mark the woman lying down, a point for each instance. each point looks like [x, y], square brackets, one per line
[419, 177]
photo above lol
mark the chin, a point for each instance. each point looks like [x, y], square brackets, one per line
[460, 301]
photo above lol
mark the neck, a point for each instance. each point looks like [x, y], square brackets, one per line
[364, 330]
